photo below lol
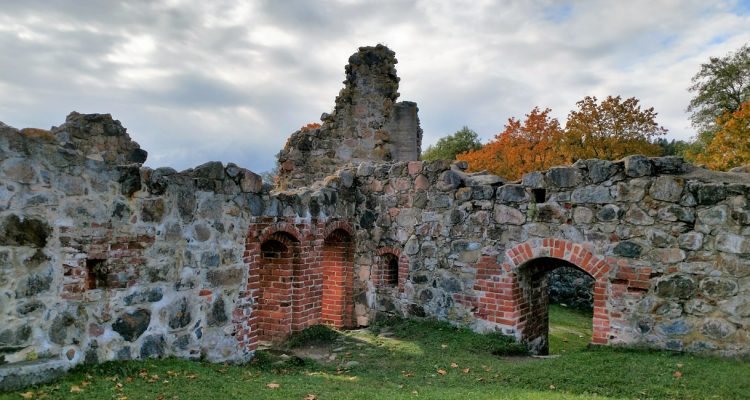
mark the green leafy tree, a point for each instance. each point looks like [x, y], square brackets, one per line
[720, 86]
[673, 147]
[448, 147]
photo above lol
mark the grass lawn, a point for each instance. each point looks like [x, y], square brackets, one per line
[412, 360]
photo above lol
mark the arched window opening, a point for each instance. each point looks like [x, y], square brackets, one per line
[389, 270]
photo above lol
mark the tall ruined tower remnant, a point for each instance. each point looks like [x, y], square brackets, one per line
[367, 124]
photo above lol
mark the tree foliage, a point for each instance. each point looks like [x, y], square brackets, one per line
[521, 147]
[730, 145]
[608, 130]
[611, 129]
[448, 147]
[720, 87]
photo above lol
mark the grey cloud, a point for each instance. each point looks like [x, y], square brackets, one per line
[222, 92]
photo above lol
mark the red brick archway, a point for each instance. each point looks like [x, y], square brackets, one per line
[528, 264]
[337, 265]
[278, 270]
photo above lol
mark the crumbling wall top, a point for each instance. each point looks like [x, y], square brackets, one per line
[367, 124]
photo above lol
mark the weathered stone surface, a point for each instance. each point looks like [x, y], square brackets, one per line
[218, 314]
[666, 188]
[150, 295]
[637, 166]
[564, 176]
[592, 194]
[179, 314]
[708, 194]
[250, 182]
[731, 243]
[512, 194]
[628, 249]
[508, 215]
[15, 231]
[153, 346]
[678, 287]
[131, 325]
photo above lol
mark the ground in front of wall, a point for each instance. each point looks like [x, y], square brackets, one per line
[410, 360]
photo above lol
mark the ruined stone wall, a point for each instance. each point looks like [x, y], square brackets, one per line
[101, 258]
[367, 124]
[666, 244]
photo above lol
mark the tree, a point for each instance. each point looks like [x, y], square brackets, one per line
[611, 129]
[673, 147]
[730, 145]
[448, 147]
[271, 175]
[521, 147]
[721, 86]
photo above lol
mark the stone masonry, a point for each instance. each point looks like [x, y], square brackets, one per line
[103, 259]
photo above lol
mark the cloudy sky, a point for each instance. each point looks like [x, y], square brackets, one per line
[197, 80]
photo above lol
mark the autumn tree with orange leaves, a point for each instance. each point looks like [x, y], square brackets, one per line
[730, 145]
[522, 147]
[610, 129]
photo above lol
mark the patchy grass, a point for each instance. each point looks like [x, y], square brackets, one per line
[569, 329]
[409, 360]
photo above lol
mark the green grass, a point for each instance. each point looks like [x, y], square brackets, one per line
[411, 360]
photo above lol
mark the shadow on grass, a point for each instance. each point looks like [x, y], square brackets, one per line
[402, 359]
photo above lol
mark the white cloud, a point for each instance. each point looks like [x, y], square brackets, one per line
[230, 80]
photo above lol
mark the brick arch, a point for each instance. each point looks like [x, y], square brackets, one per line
[274, 229]
[337, 269]
[338, 225]
[561, 249]
[527, 264]
[403, 266]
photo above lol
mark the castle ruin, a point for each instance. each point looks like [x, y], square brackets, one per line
[104, 259]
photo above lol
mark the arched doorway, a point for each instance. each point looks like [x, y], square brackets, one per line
[277, 270]
[526, 307]
[337, 264]
[533, 280]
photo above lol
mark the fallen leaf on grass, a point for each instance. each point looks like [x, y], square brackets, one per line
[122, 398]
[466, 370]
[75, 389]
[172, 373]
[191, 376]
[118, 386]
[129, 379]
[27, 395]
[310, 397]
[445, 346]
[552, 387]
[680, 365]
[454, 365]
[407, 374]
[677, 374]
[85, 383]
[273, 386]
[442, 372]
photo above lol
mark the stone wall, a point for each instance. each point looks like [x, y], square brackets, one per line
[367, 124]
[102, 259]
[666, 243]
